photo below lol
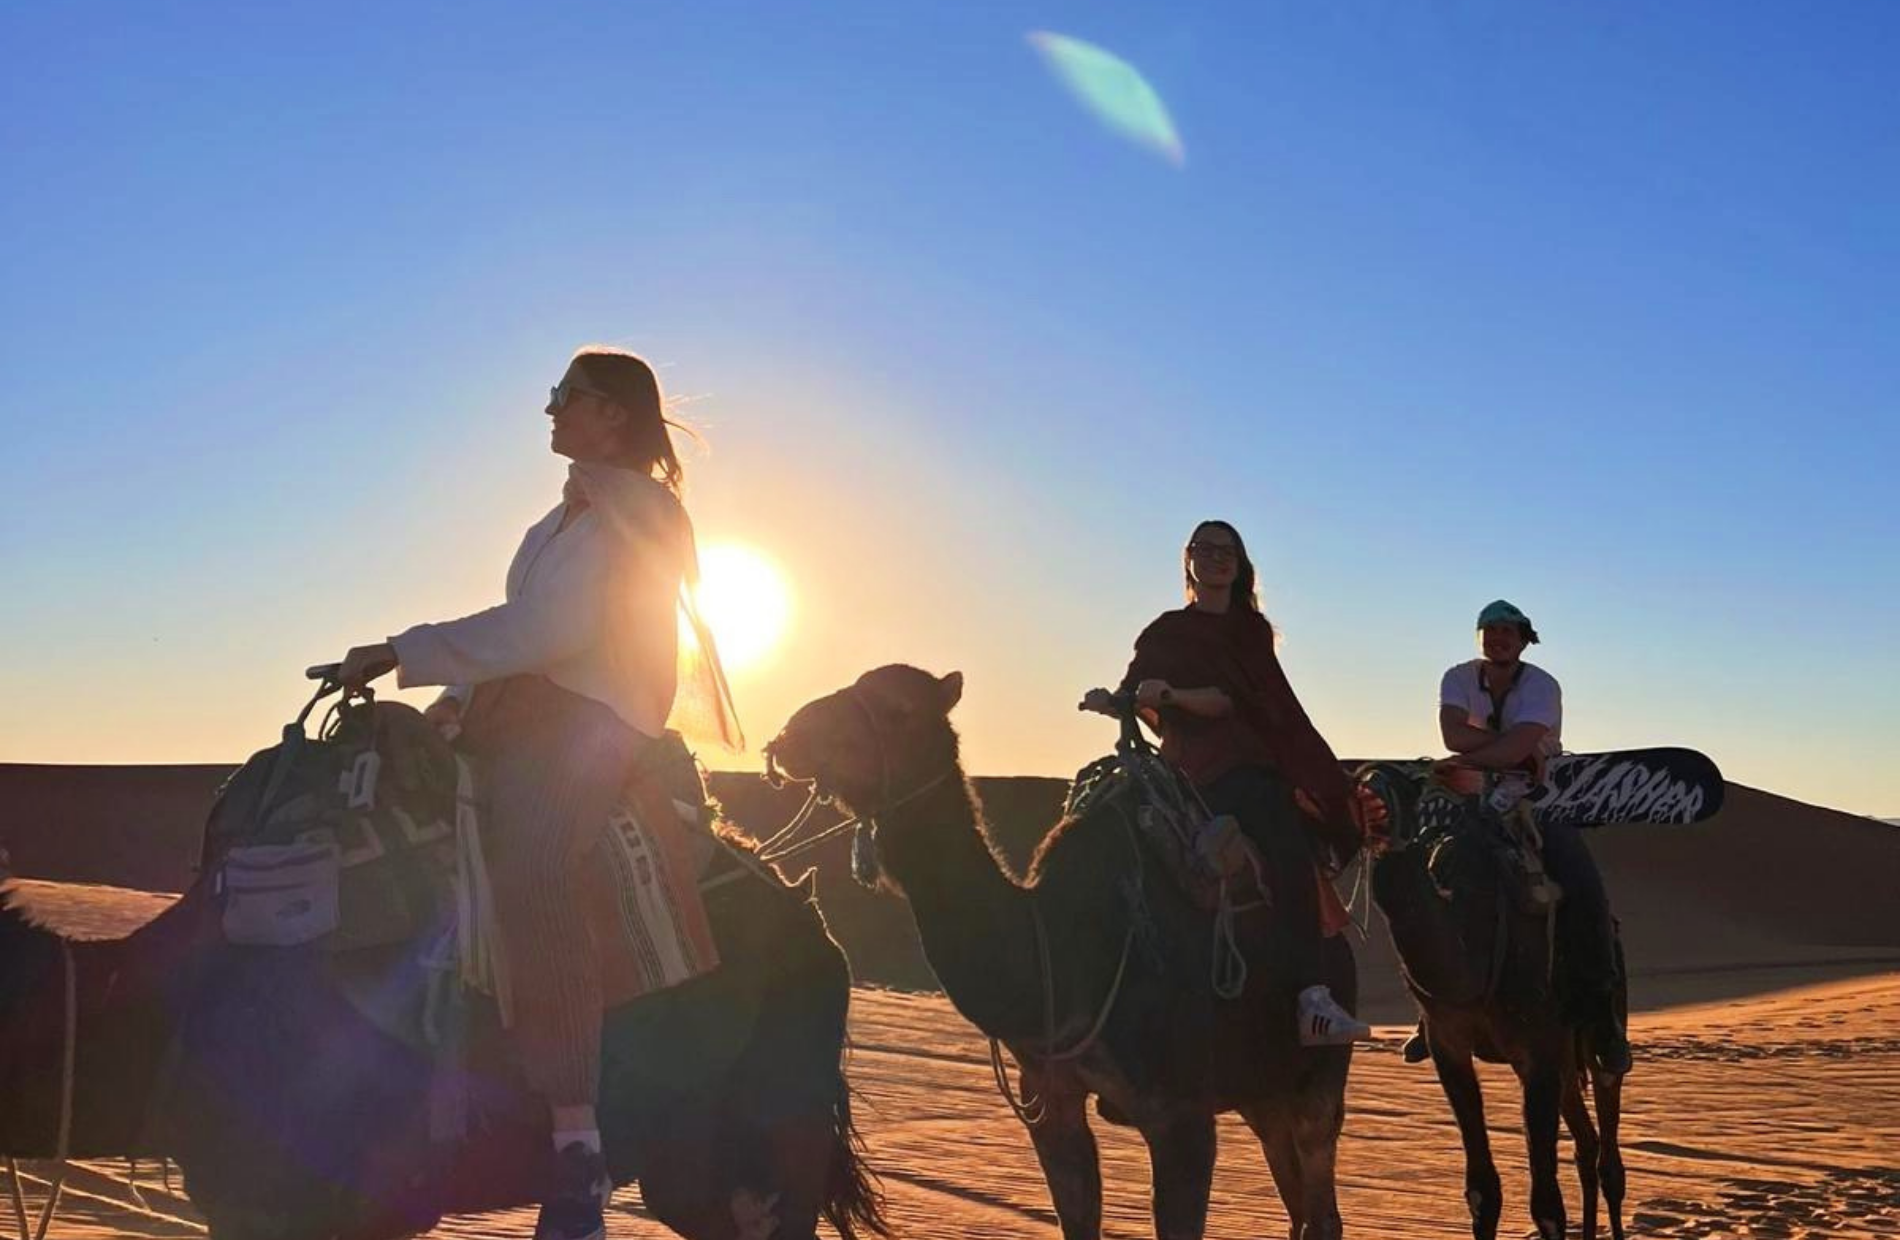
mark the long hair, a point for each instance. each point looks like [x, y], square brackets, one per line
[629, 382]
[1245, 595]
[702, 707]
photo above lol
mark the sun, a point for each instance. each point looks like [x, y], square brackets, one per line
[745, 601]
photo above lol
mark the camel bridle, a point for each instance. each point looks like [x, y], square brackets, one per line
[784, 843]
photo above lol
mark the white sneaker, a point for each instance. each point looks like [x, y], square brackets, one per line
[1324, 1023]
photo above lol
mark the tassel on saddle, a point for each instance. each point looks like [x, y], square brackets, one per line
[1536, 891]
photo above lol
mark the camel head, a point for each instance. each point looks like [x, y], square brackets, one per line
[874, 743]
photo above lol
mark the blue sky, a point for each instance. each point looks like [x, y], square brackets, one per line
[1590, 308]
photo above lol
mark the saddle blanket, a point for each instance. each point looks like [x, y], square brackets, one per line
[648, 921]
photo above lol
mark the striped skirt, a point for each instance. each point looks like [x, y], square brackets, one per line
[554, 765]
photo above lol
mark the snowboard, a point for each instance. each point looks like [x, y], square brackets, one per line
[1628, 785]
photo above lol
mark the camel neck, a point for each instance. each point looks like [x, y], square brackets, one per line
[1430, 932]
[974, 919]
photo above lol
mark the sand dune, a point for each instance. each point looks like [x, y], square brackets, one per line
[1768, 894]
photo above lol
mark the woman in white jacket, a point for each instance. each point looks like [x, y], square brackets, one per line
[557, 691]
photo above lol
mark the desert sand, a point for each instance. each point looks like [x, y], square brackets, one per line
[1763, 945]
[1775, 1115]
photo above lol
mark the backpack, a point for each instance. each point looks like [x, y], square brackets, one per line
[345, 839]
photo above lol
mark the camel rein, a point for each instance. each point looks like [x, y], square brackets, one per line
[69, 1061]
[1029, 1109]
[780, 847]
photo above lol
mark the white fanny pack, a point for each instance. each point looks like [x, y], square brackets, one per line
[281, 895]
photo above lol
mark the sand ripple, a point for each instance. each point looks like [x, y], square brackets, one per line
[1772, 1117]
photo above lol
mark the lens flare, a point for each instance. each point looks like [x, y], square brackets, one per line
[1113, 91]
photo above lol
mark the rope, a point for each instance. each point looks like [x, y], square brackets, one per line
[1361, 891]
[1030, 1111]
[68, 1073]
[1049, 1002]
[1528, 823]
[1231, 980]
[798, 820]
[806, 845]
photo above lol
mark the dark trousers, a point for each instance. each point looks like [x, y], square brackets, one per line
[1584, 927]
[1262, 802]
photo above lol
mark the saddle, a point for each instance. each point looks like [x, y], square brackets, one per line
[1201, 853]
[369, 835]
[1449, 823]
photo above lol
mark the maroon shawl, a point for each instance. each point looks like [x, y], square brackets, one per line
[1233, 651]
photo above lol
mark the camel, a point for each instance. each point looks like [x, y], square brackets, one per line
[1093, 969]
[293, 1115]
[1481, 964]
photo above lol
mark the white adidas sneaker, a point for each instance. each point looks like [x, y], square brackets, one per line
[1324, 1023]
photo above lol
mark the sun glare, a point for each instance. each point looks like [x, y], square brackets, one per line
[745, 602]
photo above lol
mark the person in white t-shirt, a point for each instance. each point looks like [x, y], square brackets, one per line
[1502, 718]
[1499, 713]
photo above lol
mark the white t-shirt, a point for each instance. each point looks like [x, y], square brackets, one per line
[1535, 698]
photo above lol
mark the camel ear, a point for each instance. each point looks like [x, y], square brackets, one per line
[951, 686]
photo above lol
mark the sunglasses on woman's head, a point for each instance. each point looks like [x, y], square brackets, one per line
[568, 389]
[1214, 551]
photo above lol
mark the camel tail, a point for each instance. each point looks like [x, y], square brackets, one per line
[854, 1201]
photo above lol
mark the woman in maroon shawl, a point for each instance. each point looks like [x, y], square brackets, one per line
[1207, 679]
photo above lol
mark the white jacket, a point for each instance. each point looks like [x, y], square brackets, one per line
[593, 607]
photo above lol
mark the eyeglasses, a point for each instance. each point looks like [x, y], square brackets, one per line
[568, 389]
[1213, 551]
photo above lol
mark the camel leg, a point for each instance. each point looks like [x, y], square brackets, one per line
[1066, 1149]
[1543, 1080]
[1584, 1134]
[1319, 1114]
[1181, 1156]
[1275, 1131]
[688, 1166]
[675, 1188]
[800, 1153]
[1484, 1195]
[1609, 1096]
